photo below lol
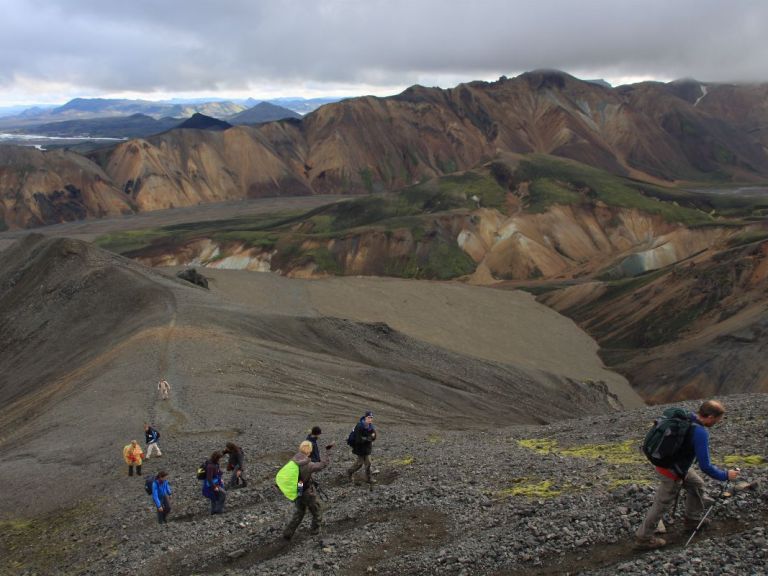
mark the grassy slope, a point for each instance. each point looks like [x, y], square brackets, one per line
[414, 209]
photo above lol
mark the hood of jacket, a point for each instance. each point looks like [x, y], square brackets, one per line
[301, 459]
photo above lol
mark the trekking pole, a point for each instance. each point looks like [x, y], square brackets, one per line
[704, 518]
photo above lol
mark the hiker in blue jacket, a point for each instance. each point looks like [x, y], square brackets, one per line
[213, 487]
[680, 475]
[161, 494]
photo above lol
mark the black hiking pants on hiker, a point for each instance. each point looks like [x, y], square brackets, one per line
[162, 516]
[301, 504]
[138, 470]
[217, 501]
[238, 477]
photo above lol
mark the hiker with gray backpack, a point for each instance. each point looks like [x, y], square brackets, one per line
[295, 482]
[674, 442]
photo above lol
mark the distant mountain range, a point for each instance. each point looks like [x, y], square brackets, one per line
[651, 131]
[42, 118]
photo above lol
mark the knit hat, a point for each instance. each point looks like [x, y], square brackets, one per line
[368, 413]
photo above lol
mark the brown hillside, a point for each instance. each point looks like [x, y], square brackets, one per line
[38, 188]
[694, 329]
[649, 131]
[86, 334]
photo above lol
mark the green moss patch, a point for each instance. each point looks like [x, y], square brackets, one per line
[614, 453]
[747, 461]
[406, 461]
[527, 488]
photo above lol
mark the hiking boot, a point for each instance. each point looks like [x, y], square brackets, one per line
[650, 543]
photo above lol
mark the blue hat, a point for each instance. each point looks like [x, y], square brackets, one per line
[368, 413]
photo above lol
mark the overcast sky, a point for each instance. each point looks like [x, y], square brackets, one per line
[54, 50]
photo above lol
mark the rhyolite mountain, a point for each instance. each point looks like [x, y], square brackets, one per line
[649, 131]
[262, 112]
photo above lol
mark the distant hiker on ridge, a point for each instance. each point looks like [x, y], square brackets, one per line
[361, 439]
[151, 436]
[313, 437]
[133, 456]
[307, 495]
[237, 465]
[161, 495]
[676, 474]
[164, 388]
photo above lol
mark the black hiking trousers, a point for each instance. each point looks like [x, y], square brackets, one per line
[217, 501]
[162, 516]
[304, 502]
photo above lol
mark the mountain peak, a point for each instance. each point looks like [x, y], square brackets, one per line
[202, 122]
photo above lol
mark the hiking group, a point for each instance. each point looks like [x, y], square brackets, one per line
[675, 442]
[295, 480]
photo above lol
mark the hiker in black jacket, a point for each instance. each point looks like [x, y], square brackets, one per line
[313, 437]
[151, 436]
[365, 435]
[236, 464]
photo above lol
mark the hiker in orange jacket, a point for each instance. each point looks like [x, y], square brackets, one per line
[133, 456]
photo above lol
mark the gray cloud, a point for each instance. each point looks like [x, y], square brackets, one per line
[202, 45]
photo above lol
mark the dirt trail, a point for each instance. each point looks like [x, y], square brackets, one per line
[607, 555]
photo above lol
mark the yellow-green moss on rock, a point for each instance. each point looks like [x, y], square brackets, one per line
[626, 452]
[530, 489]
[753, 460]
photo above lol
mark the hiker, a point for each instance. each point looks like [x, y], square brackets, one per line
[364, 435]
[213, 487]
[236, 464]
[313, 437]
[680, 475]
[307, 498]
[133, 455]
[151, 436]
[164, 388]
[161, 495]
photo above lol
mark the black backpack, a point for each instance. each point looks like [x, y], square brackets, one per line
[667, 437]
[148, 481]
[351, 438]
[202, 471]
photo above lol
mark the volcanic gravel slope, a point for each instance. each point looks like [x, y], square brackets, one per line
[555, 499]
[466, 484]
